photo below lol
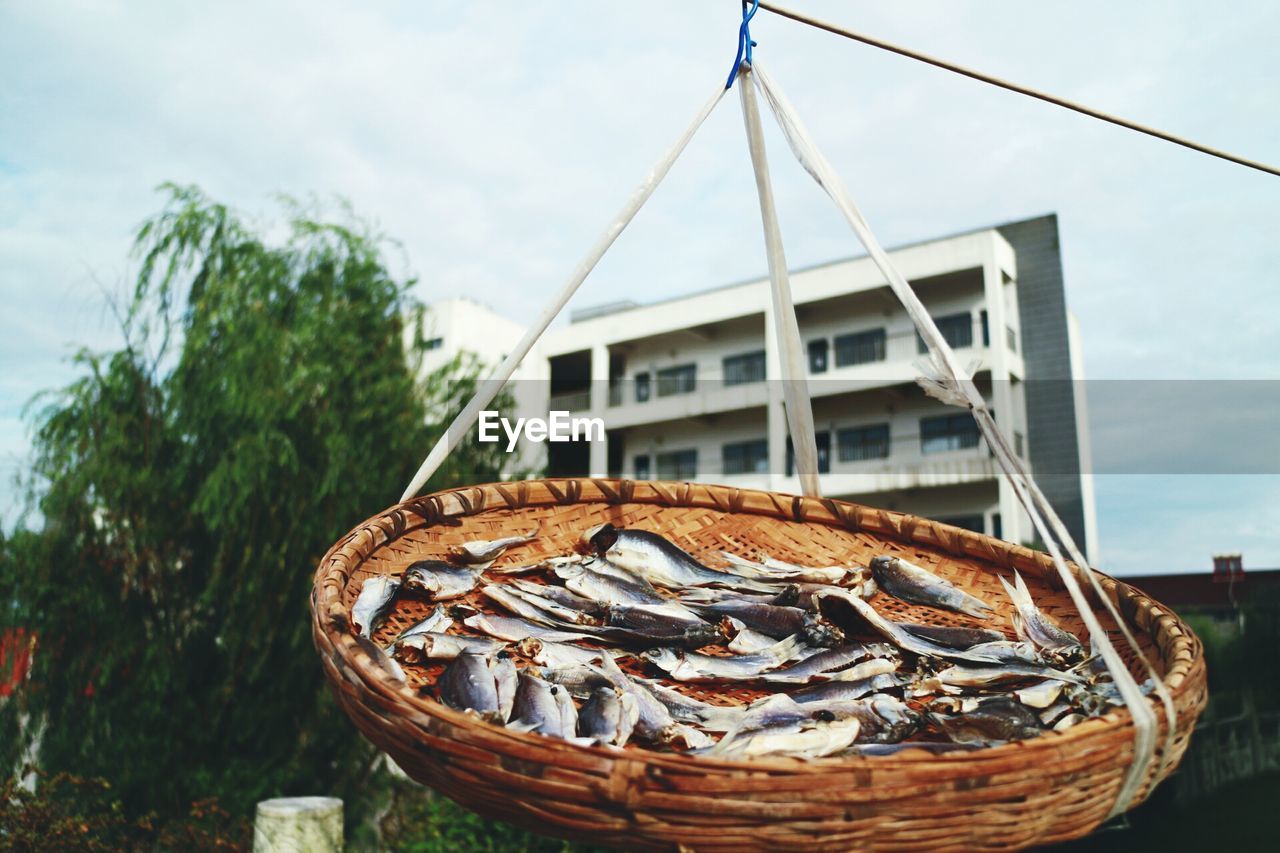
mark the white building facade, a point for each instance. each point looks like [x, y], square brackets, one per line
[689, 388]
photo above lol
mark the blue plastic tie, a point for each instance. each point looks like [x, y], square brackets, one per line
[744, 41]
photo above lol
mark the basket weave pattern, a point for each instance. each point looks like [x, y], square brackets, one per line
[1050, 788]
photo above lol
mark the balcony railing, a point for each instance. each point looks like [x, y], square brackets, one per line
[572, 401]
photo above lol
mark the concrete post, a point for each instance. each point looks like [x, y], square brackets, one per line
[598, 451]
[298, 825]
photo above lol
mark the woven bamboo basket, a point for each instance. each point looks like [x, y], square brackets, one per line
[1051, 788]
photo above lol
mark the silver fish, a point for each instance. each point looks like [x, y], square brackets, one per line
[468, 684]
[1040, 695]
[952, 637]
[659, 561]
[909, 582]
[747, 641]
[376, 597]
[556, 655]
[560, 595]
[799, 740]
[896, 634]
[849, 689]
[608, 716]
[537, 709]
[774, 621]
[886, 719]
[1035, 627]
[1068, 721]
[609, 588]
[775, 570]
[433, 646]
[505, 681]
[514, 629]
[692, 666]
[438, 621]
[536, 608]
[686, 709]
[995, 720]
[484, 552]
[1009, 652]
[654, 722]
[438, 580]
[987, 676]
[822, 666]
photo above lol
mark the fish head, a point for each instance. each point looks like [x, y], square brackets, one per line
[598, 539]
[529, 646]
[789, 597]
[665, 659]
[822, 634]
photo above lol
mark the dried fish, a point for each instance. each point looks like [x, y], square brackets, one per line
[482, 552]
[505, 682]
[1040, 695]
[994, 720]
[951, 636]
[536, 708]
[438, 621]
[1035, 627]
[438, 580]
[777, 570]
[557, 655]
[377, 594]
[849, 689]
[433, 646]
[800, 740]
[609, 716]
[692, 666]
[909, 582]
[514, 629]
[659, 561]
[468, 684]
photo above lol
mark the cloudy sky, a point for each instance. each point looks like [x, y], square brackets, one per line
[495, 139]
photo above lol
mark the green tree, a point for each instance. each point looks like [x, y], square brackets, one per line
[265, 400]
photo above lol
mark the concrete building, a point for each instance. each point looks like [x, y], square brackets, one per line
[683, 385]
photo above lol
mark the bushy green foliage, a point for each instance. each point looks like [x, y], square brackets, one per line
[419, 821]
[70, 813]
[264, 402]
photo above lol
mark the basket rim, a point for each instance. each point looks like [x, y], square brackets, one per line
[1180, 649]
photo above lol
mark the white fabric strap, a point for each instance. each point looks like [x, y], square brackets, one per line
[795, 384]
[953, 385]
[489, 389]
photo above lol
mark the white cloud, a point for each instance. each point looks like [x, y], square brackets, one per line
[495, 140]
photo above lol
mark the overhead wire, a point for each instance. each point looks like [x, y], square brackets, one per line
[1018, 88]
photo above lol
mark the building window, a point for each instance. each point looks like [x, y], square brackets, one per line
[948, 432]
[824, 454]
[642, 387]
[860, 348]
[818, 356]
[997, 527]
[641, 465]
[968, 522]
[986, 328]
[860, 443]
[677, 380]
[746, 457]
[1018, 443]
[957, 329]
[678, 465]
[741, 369]
[1011, 337]
[433, 343]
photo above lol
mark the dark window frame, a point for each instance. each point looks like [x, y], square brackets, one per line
[819, 355]
[863, 443]
[956, 329]
[744, 368]
[946, 433]
[745, 457]
[865, 347]
[679, 379]
[642, 387]
[682, 464]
